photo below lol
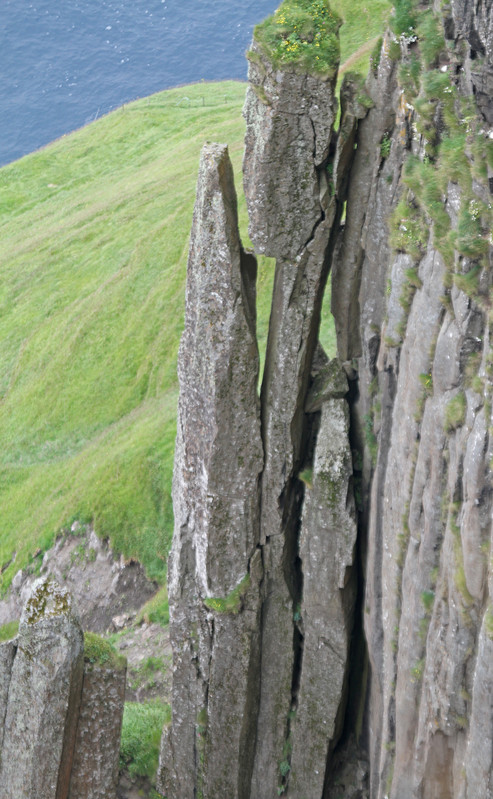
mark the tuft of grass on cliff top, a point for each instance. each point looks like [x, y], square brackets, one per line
[303, 34]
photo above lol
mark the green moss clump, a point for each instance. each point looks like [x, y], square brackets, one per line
[306, 477]
[454, 160]
[370, 438]
[469, 282]
[426, 381]
[376, 55]
[409, 72]
[455, 412]
[428, 599]
[232, 603]
[431, 41]
[99, 652]
[470, 239]
[407, 229]
[302, 34]
[488, 621]
[8, 631]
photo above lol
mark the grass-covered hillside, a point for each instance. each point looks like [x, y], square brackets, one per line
[94, 237]
[94, 233]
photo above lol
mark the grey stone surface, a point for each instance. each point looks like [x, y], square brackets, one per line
[44, 698]
[299, 236]
[327, 544]
[329, 382]
[214, 574]
[94, 773]
[423, 467]
[7, 653]
[289, 117]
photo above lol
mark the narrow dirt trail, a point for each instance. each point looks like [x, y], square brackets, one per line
[365, 48]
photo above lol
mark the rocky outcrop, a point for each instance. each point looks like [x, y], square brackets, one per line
[44, 697]
[44, 712]
[251, 650]
[7, 654]
[422, 415]
[102, 584]
[369, 636]
[326, 613]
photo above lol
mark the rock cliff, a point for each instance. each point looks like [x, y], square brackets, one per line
[330, 576]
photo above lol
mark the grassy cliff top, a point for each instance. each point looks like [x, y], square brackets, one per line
[302, 34]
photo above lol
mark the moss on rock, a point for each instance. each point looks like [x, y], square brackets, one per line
[99, 652]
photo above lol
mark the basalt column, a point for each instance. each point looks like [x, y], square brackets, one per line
[289, 118]
[215, 566]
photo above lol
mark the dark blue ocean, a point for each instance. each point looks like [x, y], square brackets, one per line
[63, 63]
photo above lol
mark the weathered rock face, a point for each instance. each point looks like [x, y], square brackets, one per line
[215, 568]
[59, 722]
[289, 118]
[94, 773]
[421, 336]
[326, 551]
[292, 212]
[236, 577]
[7, 654]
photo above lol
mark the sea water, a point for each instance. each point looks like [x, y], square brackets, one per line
[63, 63]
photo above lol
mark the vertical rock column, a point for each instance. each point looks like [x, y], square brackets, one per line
[97, 747]
[327, 542]
[289, 118]
[215, 566]
[43, 698]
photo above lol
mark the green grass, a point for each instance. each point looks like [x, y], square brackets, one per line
[363, 23]
[231, 603]
[455, 412]
[156, 610]
[141, 735]
[8, 631]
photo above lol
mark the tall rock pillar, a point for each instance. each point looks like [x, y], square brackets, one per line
[292, 210]
[215, 565]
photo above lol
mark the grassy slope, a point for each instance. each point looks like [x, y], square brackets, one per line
[364, 22]
[94, 233]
